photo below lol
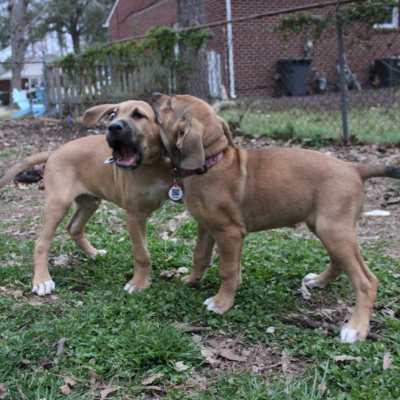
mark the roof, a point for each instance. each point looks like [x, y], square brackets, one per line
[108, 20]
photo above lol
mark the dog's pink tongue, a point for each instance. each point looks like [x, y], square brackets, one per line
[127, 160]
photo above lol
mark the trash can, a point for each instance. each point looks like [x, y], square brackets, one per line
[294, 76]
[387, 70]
[4, 98]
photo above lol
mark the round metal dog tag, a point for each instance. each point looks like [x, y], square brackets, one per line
[175, 192]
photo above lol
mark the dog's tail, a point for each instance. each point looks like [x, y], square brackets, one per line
[26, 163]
[372, 171]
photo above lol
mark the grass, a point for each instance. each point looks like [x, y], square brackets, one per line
[114, 339]
[371, 125]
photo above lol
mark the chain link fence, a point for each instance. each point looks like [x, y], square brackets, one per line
[285, 81]
[342, 83]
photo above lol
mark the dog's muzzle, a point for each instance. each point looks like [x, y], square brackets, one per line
[121, 138]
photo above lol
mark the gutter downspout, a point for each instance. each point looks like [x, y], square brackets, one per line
[229, 38]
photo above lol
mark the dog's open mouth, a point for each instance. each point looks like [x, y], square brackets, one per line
[127, 157]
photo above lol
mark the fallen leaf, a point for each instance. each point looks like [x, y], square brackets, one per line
[17, 294]
[65, 390]
[106, 392]
[387, 361]
[69, 381]
[154, 388]
[271, 330]
[46, 363]
[231, 356]
[152, 378]
[209, 356]
[168, 273]
[185, 327]
[345, 358]
[61, 260]
[285, 361]
[322, 388]
[3, 391]
[61, 347]
[180, 366]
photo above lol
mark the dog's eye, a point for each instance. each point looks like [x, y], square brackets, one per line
[112, 115]
[137, 115]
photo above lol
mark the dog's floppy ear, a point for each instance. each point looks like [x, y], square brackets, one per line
[227, 132]
[190, 143]
[158, 102]
[94, 114]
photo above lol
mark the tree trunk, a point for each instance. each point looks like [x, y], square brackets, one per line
[76, 40]
[18, 40]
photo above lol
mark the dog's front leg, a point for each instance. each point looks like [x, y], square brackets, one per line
[142, 266]
[201, 256]
[229, 243]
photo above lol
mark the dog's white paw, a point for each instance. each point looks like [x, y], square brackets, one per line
[99, 253]
[349, 335]
[44, 288]
[211, 306]
[311, 281]
[129, 288]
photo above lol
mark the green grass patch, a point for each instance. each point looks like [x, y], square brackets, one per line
[118, 339]
[372, 125]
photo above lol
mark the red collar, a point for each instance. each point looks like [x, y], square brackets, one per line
[209, 163]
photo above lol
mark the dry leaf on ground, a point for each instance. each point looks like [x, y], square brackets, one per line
[285, 361]
[152, 378]
[345, 358]
[69, 381]
[180, 366]
[107, 391]
[231, 356]
[65, 390]
[3, 391]
[387, 361]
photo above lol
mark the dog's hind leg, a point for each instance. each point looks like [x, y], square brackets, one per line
[55, 210]
[86, 207]
[201, 256]
[340, 241]
[142, 268]
[313, 280]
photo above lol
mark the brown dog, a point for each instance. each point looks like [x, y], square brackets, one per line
[138, 181]
[251, 190]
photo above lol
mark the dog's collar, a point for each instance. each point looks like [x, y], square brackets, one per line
[209, 163]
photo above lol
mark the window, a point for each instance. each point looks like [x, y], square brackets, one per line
[392, 20]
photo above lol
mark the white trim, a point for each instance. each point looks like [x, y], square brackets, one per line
[108, 20]
[390, 25]
[229, 38]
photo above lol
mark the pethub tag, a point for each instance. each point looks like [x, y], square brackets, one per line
[109, 160]
[175, 192]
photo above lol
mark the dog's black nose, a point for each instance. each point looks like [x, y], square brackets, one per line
[116, 127]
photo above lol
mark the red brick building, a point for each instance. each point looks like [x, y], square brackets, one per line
[249, 51]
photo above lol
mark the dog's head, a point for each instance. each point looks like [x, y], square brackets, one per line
[132, 131]
[191, 130]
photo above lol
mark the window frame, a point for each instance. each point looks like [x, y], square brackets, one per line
[394, 24]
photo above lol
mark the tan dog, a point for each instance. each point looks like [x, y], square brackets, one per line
[76, 173]
[253, 190]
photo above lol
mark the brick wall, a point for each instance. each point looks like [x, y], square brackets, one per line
[135, 18]
[257, 48]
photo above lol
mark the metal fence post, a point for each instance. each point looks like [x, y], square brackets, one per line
[344, 103]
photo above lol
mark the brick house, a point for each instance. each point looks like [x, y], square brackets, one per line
[249, 51]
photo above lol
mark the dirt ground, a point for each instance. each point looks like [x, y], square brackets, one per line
[21, 138]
